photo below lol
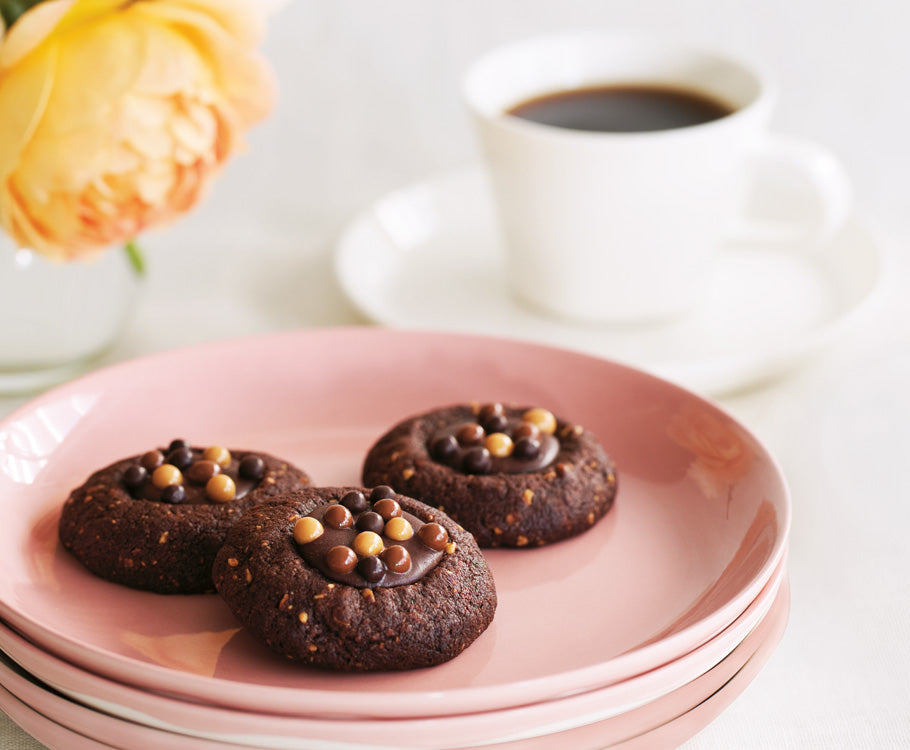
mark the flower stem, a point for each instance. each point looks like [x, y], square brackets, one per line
[135, 256]
[10, 10]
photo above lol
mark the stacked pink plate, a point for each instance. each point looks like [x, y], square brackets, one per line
[635, 634]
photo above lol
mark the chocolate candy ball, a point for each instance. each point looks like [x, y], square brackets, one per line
[134, 476]
[252, 468]
[525, 430]
[371, 569]
[341, 559]
[370, 521]
[469, 434]
[496, 423]
[151, 460]
[434, 536]
[387, 508]
[175, 444]
[180, 457]
[526, 448]
[381, 492]
[355, 501]
[397, 558]
[338, 517]
[491, 410]
[477, 461]
[201, 471]
[174, 494]
[444, 448]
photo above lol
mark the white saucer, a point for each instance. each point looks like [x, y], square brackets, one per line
[429, 256]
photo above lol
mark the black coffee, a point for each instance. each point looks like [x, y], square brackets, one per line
[630, 108]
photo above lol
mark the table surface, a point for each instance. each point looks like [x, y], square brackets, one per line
[369, 102]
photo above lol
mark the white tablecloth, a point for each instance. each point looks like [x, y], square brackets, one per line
[370, 102]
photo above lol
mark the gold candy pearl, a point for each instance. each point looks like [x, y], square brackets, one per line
[307, 529]
[499, 444]
[165, 475]
[220, 488]
[368, 543]
[219, 454]
[398, 529]
[542, 418]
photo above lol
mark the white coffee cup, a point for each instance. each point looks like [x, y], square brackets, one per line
[618, 226]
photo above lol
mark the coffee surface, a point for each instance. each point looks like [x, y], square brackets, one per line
[630, 108]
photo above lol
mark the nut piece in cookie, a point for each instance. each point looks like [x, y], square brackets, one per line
[155, 521]
[512, 476]
[356, 579]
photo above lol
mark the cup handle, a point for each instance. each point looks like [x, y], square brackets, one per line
[800, 194]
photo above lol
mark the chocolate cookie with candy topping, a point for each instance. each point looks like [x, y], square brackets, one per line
[155, 521]
[356, 579]
[512, 476]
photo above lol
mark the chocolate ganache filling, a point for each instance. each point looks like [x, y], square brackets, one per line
[184, 475]
[497, 443]
[369, 541]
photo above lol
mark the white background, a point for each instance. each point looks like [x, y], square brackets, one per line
[369, 102]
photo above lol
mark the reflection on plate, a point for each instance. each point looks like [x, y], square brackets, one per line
[429, 256]
[699, 525]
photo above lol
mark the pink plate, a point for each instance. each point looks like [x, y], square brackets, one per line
[663, 723]
[55, 736]
[282, 732]
[699, 525]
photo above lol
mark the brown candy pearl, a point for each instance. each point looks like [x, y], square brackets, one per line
[370, 521]
[151, 460]
[469, 434]
[252, 468]
[397, 558]
[219, 454]
[490, 410]
[341, 559]
[220, 488]
[387, 508]
[434, 536]
[338, 517]
[166, 475]
[307, 529]
[525, 430]
[201, 471]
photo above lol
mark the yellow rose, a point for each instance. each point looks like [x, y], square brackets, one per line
[115, 115]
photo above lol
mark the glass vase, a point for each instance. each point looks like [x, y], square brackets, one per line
[59, 317]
